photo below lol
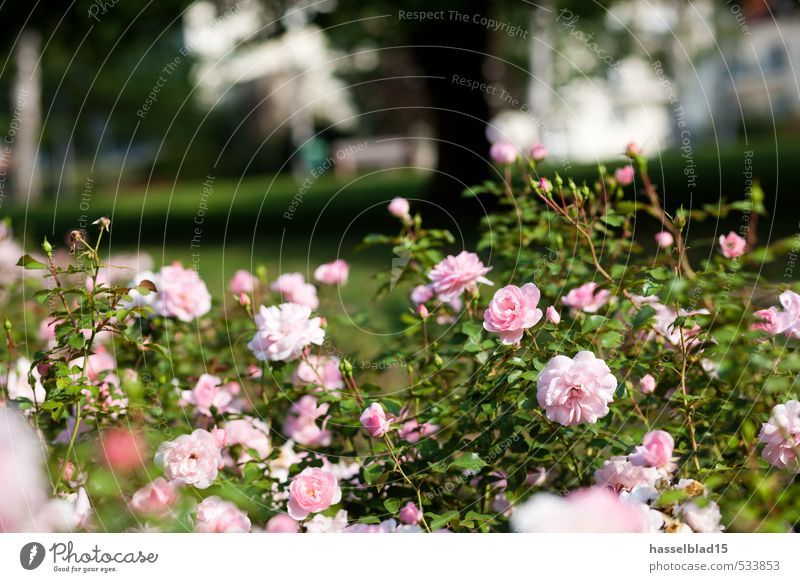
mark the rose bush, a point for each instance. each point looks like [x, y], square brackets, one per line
[599, 381]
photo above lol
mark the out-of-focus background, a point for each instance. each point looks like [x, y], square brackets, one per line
[230, 133]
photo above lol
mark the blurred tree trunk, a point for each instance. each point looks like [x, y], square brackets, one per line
[27, 115]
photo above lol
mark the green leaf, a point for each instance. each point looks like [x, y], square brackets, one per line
[392, 504]
[468, 462]
[28, 262]
[372, 472]
[437, 521]
[643, 316]
[593, 322]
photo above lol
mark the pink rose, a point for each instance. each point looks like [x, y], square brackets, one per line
[283, 332]
[704, 519]
[215, 515]
[552, 315]
[421, 294]
[587, 298]
[208, 393]
[182, 293]
[294, 289]
[155, 498]
[301, 423]
[655, 451]
[511, 311]
[781, 435]
[333, 273]
[538, 152]
[242, 282]
[250, 434]
[412, 430]
[456, 274]
[374, 420]
[400, 208]
[546, 185]
[321, 371]
[621, 474]
[788, 320]
[732, 245]
[664, 239]
[769, 321]
[122, 450]
[312, 491]
[647, 384]
[282, 523]
[575, 391]
[410, 514]
[624, 175]
[504, 152]
[192, 459]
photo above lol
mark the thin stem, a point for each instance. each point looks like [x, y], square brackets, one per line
[397, 466]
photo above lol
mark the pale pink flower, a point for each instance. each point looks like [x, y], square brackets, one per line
[587, 298]
[294, 289]
[122, 450]
[655, 450]
[301, 423]
[546, 185]
[283, 332]
[324, 524]
[215, 515]
[18, 385]
[410, 514]
[421, 294]
[704, 519]
[182, 293]
[591, 510]
[312, 491]
[333, 273]
[208, 393]
[732, 245]
[321, 371]
[538, 152]
[621, 474]
[422, 311]
[191, 459]
[647, 384]
[781, 436]
[250, 434]
[374, 420]
[624, 175]
[769, 321]
[633, 149]
[412, 430]
[504, 152]
[552, 315]
[664, 239]
[155, 498]
[788, 320]
[400, 208]
[456, 274]
[575, 391]
[511, 311]
[242, 282]
[282, 523]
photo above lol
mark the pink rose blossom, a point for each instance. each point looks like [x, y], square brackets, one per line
[575, 391]
[283, 332]
[781, 436]
[705, 519]
[552, 315]
[591, 510]
[321, 371]
[312, 491]
[250, 434]
[511, 311]
[769, 321]
[664, 239]
[422, 311]
[732, 245]
[788, 320]
[410, 514]
[587, 298]
[324, 524]
[504, 152]
[412, 430]
[301, 423]
[546, 185]
[456, 274]
[122, 450]
[215, 515]
[333, 273]
[655, 451]
[621, 474]
[647, 384]
[400, 208]
[192, 459]
[282, 523]
[209, 393]
[421, 294]
[155, 498]
[538, 152]
[294, 289]
[374, 420]
[182, 293]
[242, 282]
[624, 175]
